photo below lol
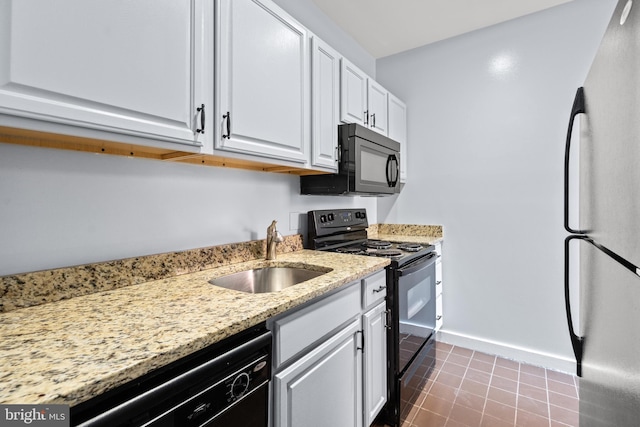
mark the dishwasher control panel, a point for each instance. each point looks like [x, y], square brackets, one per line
[221, 395]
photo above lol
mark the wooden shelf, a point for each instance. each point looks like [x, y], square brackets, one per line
[64, 142]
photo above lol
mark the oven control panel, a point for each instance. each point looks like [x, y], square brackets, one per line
[331, 221]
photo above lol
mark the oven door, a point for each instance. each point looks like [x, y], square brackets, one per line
[416, 307]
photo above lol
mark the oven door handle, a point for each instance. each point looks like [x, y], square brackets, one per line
[418, 265]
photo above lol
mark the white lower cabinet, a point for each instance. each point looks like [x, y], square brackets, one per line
[439, 287]
[375, 361]
[330, 359]
[323, 388]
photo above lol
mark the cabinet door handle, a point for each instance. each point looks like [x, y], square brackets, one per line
[438, 317]
[380, 289]
[439, 282]
[373, 120]
[201, 111]
[360, 345]
[366, 117]
[387, 319]
[228, 119]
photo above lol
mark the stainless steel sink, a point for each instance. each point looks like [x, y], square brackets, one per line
[267, 279]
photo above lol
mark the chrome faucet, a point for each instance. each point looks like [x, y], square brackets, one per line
[273, 238]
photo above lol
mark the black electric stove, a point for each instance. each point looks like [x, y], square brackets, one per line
[345, 231]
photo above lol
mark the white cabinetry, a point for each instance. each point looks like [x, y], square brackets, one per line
[439, 287]
[325, 94]
[374, 324]
[353, 94]
[362, 100]
[80, 67]
[398, 130]
[323, 387]
[378, 108]
[263, 81]
[330, 358]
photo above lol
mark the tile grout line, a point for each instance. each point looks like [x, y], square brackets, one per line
[546, 383]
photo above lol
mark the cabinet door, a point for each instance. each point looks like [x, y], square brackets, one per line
[353, 94]
[398, 131]
[325, 93]
[263, 69]
[377, 102]
[126, 67]
[375, 362]
[323, 388]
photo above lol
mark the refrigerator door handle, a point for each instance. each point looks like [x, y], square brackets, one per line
[578, 108]
[576, 341]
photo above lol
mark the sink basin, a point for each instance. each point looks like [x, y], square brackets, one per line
[267, 279]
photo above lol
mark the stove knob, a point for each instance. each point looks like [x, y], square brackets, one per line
[363, 215]
[357, 214]
[323, 218]
[331, 217]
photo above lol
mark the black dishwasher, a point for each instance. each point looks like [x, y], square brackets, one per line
[225, 384]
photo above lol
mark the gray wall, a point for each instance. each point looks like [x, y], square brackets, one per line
[60, 208]
[488, 113]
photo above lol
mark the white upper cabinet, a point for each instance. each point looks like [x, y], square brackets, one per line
[377, 107]
[325, 94]
[263, 81]
[362, 99]
[353, 94]
[398, 130]
[133, 68]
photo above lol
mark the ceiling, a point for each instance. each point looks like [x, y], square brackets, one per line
[385, 27]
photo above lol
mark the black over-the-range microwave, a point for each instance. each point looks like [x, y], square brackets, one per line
[368, 164]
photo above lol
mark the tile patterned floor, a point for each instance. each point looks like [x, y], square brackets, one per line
[472, 389]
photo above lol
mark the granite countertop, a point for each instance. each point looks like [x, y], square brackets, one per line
[71, 350]
[406, 233]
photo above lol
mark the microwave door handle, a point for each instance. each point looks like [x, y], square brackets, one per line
[389, 177]
[397, 170]
[392, 178]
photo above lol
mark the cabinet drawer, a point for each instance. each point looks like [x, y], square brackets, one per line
[297, 331]
[374, 289]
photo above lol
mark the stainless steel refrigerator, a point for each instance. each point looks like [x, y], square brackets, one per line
[606, 333]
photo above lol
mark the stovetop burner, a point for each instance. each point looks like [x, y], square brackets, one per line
[386, 253]
[410, 247]
[352, 250]
[377, 244]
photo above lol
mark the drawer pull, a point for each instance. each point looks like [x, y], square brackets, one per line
[380, 289]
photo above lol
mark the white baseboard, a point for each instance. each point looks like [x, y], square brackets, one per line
[549, 361]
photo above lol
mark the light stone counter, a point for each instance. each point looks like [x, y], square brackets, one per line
[406, 233]
[74, 349]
